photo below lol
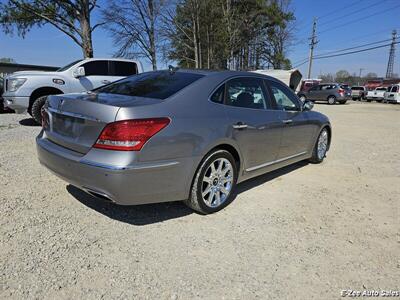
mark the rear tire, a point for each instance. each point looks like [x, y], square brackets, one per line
[36, 110]
[342, 102]
[331, 100]
[320, 147]
[207, 194]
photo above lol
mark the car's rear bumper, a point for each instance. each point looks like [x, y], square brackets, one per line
[19, 104]
[131, 185]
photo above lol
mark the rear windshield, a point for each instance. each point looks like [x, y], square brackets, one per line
[158, 84]
[357, 88]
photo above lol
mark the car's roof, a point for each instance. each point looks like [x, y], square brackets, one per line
[224, 73]
[109, 58]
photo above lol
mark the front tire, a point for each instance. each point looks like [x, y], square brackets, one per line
[214, 183]
[320, 147]
[36, 110]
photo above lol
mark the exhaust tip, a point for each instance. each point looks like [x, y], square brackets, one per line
[98, 194]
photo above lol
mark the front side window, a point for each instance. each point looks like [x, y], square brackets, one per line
[97, 67]
[284, 98]
[246, 92]
[395, 89]
[68, 66]
[158, 85]
[326, 87]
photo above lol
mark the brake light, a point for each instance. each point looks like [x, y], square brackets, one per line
[45, 118]
[129, 135]
[341, 91]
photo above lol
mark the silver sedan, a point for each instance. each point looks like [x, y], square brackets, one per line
[178, 135]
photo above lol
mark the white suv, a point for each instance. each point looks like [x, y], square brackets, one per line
[393, 94]
[27, 90]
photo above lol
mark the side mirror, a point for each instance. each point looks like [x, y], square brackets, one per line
[308, 105]
[79, 72]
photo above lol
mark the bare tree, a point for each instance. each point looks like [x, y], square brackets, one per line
[135, 25]
[70, 17]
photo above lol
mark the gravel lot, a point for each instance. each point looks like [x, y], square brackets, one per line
[304, 232]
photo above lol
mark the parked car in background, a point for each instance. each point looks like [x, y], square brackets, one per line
[392, 95]
[329, 92]
[377, 94]
[28, 90]
[358, 93]
[307, 84]
[187, 135]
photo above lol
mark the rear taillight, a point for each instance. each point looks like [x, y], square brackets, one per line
[45, 118]
[129, 135]
[341, 91]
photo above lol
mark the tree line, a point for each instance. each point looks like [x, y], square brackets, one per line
[343, 76]
[210, 34]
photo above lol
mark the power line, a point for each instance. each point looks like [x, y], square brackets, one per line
[304, 60]
[353, 52]
[359, 19]
[351, 48]
[354, 12]
[340, 9]
[296, 66]
[334, 11]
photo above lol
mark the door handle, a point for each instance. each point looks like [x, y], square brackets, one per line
[105, 81]
[239, 125]
[287, 121]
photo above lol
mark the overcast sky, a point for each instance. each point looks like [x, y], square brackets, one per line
[341, 24]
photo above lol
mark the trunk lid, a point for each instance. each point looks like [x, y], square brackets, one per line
[75, 121]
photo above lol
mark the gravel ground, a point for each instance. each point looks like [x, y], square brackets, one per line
[304, 232]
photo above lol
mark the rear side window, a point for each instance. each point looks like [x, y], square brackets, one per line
[159, 85]
[97, 67]
[246, 92]
[219, 94]
[395, 89]
[122, 68]
[316, 88]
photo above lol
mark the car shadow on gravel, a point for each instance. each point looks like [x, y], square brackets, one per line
[28, 122]
[259, 180]
[135, 215]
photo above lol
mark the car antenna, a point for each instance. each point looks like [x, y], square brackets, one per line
[172, 69]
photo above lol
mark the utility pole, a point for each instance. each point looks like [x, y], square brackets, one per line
[359, 76]
[389, 71]
[312, 44]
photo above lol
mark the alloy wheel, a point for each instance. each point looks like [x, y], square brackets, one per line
[217, 182]
[331, 100]
[322, 144]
